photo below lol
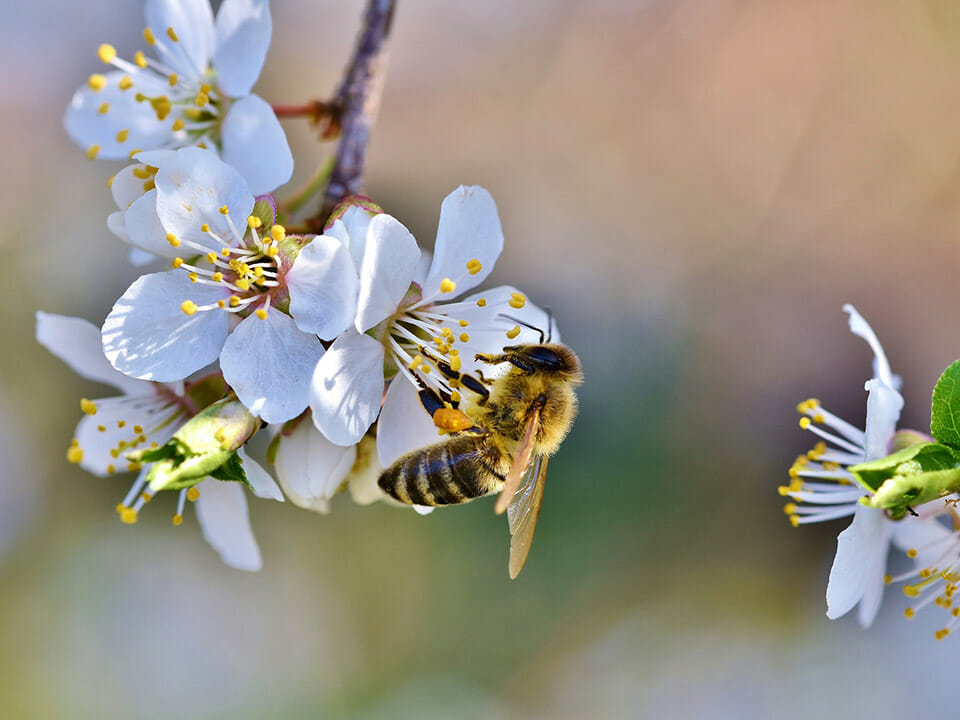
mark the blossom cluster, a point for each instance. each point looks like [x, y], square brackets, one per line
[900, 488]
[323, 338]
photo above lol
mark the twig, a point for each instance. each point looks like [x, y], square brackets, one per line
[357, 101]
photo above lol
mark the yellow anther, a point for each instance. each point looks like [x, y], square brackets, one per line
[149, 185]
[178, 125]
[261, 313]
[481, 302]
[96, 82]
[225, 252]
[790, 508]
[258, 271]
[804, 422]
[189, 307]
[447, 285]
[512, 332]
[138, 429]
[911, 591]
[211, 257]
[909, 613]
[142, 173]
[128, 516]
[278, 233]
[172, 35]
[126, 82]
[925, 573]
[111, 469]
[253, 221]
[177, 520]
[416, 362]
[224, 210]
[133, 153]
[204, 228]
[221, 304]
[819, 418]
[454, 362]
[272, 251]
[887, 579]
[103, 108]
[92, 151]
[474, 266]
[446, 332]
[217, 277]
[464, 323]
[106, 53]
[464, 337]
[193, 494]
[234, 301]
[74, 453]
[174, 242]
[911, 553]
[122, 424]
[828, 465]
[243, 284]
[147, 497]
[101, 428]
[425, 369]
[193, 277]
[201, 99]
[122, 135]
[148, 37]
[454, 351]
[517, 300]
[455, 396]
[173, 79]
[205, 88]
[783, 490]
[88, 406]
[177, 261]
[795, 521]
[192, 114]
[941, 634]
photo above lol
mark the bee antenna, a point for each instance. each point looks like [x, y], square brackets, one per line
[549, 323]
[524, 323]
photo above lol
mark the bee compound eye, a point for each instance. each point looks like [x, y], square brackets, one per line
[545, 356]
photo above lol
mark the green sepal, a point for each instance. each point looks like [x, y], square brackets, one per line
[945, 407]
[265, 208]
[231, 471]
[900, 493]
[923, 457]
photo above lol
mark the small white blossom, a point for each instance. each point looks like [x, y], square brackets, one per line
[826, 490]
[235, 302]
[146, 415]
[403, 306]
[192, 88]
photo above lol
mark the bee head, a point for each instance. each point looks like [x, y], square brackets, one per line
[552, 358]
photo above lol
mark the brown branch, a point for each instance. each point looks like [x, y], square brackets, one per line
[356, 104]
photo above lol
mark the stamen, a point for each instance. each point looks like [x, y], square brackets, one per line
[447, 285]
[474, 266]
[96, 82]
[517, 300]
[106, 53]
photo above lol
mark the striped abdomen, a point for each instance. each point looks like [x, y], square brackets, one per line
[455, 471]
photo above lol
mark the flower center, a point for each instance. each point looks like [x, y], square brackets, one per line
[246, 265]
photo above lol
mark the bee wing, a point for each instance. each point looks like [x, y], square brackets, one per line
[520, 462]
[523, 512]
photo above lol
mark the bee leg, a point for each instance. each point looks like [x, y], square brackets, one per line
[484, 380]
[515, 359]
[468, 381]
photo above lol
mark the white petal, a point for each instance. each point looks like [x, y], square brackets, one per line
[192, 22]
[148, 336]
[423, 509]
[255, 144]
[87, 126]
[144, 229]
[323, 285]
[225, 522]
[110, 433]
[77, 342]
[469, 229]
[192, 187]
[347, 388]
[139, 258]
[389, 264]
[926, 535]
[883, 411]
[351, 229]
[262, 484]
[311, 468]
[404, 423]
[858, 567]
[269, 363]
[860, 327]
[127, 187]
[243, 36]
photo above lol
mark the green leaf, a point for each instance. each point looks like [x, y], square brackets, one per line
[945, 407]
[901, 492]
[924, 457]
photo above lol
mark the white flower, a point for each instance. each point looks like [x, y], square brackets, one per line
[145, 415]
[232, 304]
[401, 307]
[826, 490]
[193, 89]
[310, 468]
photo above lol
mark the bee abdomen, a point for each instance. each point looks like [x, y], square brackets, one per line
[443, 474]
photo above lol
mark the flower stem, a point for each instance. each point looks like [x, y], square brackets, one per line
[356, 102]
[315, 110]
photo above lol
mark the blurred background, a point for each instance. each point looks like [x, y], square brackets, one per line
[695, 187]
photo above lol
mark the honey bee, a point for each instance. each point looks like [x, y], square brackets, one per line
[502, 442]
